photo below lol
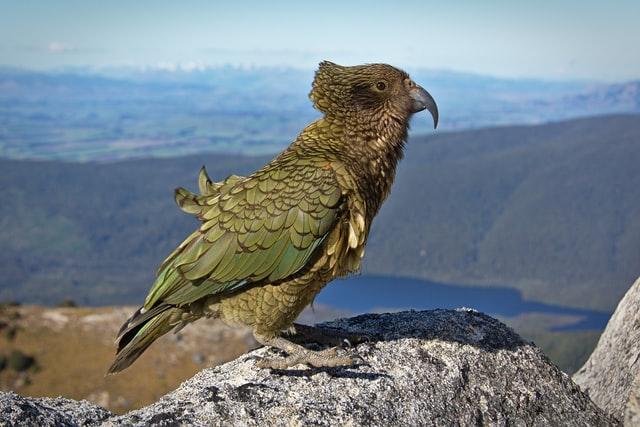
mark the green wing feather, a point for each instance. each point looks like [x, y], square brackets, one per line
[263, 228]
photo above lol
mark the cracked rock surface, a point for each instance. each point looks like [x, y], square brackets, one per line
[439, 367]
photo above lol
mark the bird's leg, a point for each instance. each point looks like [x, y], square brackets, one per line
[303, 334]
[298, 354]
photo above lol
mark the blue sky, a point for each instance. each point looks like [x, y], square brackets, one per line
[547, 39]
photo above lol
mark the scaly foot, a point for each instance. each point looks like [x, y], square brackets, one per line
[298, 354]
[326, 336]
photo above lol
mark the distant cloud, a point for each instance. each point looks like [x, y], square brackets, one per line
[58, 47]
[180, 66]
[292, 57]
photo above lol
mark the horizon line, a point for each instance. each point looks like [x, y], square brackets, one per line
[191, 67]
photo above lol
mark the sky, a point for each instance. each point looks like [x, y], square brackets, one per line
[562, 39]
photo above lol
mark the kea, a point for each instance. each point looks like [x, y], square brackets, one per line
[269, 242]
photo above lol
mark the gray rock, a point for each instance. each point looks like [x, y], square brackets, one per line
[16, 410]
[441, 367]
[632, 410]
[609, 375]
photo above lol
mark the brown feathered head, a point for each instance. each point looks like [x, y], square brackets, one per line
[343, 91]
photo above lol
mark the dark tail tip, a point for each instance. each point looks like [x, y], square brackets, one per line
[138, 333]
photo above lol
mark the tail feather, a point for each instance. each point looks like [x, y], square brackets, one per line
[139, 332]
[138, 318]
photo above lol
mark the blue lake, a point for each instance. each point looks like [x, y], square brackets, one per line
[366, 293]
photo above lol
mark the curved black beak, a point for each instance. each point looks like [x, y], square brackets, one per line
[423, 101]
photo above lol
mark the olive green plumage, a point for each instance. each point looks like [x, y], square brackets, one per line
[270, 241]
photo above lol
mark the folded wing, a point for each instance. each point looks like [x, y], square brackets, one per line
[263, 228]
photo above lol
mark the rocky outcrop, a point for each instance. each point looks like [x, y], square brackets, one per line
[441, 367]
[632, 409]
[611, 376]
[16, 410]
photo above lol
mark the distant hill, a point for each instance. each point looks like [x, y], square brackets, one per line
[623, 97]
[123, 114]
[94, 232]
[71, 348]
[551, 210]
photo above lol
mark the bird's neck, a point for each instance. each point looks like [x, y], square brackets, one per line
[374, 154]
[370, 146]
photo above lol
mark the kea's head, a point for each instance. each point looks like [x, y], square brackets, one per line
[369, 91]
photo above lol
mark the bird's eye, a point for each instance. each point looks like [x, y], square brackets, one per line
[381, 85]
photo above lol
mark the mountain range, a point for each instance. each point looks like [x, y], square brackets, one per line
[106, 115]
